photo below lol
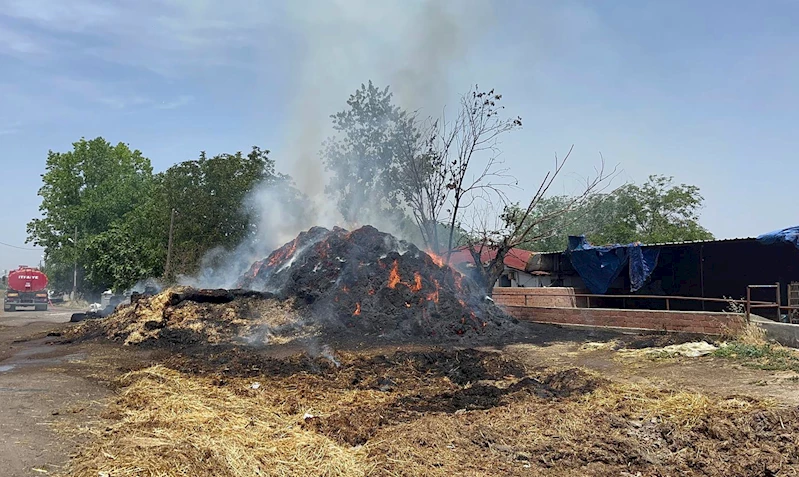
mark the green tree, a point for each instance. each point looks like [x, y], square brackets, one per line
[368, 145]
[589, 218]
[388, 166]
[658, 211]
[654, 212]
[120, 257]
[122, 212]
[86, 190]
[419, 177]
[209, 196]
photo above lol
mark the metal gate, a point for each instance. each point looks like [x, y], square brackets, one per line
[793, 301]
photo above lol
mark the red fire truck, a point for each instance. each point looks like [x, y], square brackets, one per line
[26, 286]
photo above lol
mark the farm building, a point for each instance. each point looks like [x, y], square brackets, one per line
[700, 269]
[523, 268]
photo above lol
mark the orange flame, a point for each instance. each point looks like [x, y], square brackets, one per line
[283, 254]
[433, 296]
[417, 282]
[345, 289]
[256, 268]
[394, 276]
[357, 309]
[371, 292]
[394, 279]
[437, 259]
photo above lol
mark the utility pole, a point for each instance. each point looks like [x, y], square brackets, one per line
[75, 271]
[169, 245]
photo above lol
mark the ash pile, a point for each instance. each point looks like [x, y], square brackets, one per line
[368, 283]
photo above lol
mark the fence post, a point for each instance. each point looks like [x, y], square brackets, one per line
[779, 304]
[748, 303]
[668, 306]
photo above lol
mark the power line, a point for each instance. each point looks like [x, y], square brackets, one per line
[20, 248]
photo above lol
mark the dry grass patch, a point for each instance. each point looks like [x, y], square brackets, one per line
[614, 430]
[433, 413]
[168, 424]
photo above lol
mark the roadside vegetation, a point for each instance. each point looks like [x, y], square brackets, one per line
[766, 356]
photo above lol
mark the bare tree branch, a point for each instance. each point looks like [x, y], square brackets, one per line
[522, 225]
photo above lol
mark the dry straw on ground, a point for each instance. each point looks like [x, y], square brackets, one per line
[173, 425]
[332, 421]
[148, 320]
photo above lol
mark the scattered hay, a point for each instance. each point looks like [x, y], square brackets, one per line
[688, 350]
[167, 319]
[169, 424]
[598, 345]
[682, 408]
[431, 413]
[609, 431]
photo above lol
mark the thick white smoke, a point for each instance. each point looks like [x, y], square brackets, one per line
[280, 214]
[416, 47]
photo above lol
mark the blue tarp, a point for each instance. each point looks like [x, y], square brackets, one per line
[789, 235]
[599, 266]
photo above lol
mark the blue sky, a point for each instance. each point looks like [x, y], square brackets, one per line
[702, 91]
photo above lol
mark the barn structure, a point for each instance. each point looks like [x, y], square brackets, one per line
[696, 269]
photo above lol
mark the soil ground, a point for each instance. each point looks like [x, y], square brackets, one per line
[40, 386]
[49, 388]
[708, 375]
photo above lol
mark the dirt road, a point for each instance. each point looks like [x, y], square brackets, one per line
[22, 318]
[35, 392]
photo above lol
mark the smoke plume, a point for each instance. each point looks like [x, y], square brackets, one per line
[416, 47]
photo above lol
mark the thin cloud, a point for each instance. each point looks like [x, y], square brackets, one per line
[164, 37]
[19, 44]
[180, 101]
[110, 94]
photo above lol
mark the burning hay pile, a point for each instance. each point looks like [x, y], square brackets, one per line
[369, 282]
[334, 283]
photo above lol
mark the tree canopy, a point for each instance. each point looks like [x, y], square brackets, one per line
[208, 195]
[654, 212]
[361, 154]
[86, 190]
[122, 212]
[370, 143]
[390, 166]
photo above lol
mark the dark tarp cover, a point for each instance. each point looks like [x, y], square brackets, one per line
[789, 235]
[599, 266]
